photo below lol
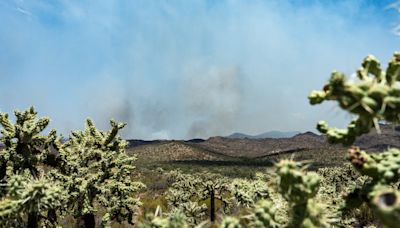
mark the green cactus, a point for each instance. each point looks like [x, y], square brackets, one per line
[230, 222]
[40, 178]
[299, 188]
[175, 219]
[25, 189]
[95, 168]
[189, 192]
[24, 147]
[263, 215]
[378, 193]
[248, 192]
[375, 97]
[30, 196]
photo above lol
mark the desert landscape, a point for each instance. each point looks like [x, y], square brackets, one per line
[199, 113]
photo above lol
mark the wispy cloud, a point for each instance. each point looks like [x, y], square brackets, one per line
[179, 69]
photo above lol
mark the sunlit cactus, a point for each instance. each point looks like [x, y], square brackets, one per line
[183, 196]
[175, 219]
[25, 148]
[230, 222]
[25, 190]
[299, 188]
[95, 168]
[248, 192]
[32, 197]
[264, 215]
[40, 178]
[188, 191]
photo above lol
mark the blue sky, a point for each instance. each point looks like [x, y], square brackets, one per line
[183, 69]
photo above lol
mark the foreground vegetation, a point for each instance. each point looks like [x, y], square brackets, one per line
[91, 181]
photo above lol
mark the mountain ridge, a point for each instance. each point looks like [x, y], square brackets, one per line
[306, 145]
[268, 134]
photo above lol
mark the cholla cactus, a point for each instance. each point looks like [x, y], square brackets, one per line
[24, 147]
[188, 191]
[32, 197]
[95, 168]
[25, 189]
[383, 170]
[264, 215]
[375, 97]
[230, 222]
[299, 188]
[336, 182]
[91, 166]
[248, 192]
[176, 219]
[214, 187]
[183, 195]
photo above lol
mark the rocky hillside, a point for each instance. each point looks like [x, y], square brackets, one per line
[163, 151]
[251, 148]
[224, 148]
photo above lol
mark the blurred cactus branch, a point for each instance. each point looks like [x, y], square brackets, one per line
[374, 97]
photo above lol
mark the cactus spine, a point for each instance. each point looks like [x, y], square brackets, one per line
[374, 97]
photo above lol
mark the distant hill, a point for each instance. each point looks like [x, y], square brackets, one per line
[253, 147]
[241, 147]
[269, 134]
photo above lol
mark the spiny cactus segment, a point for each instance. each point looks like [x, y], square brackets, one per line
[263, 215]
[30, 196]
[299, 188]
[373, 97]
[25, 148]
[26, 192]
[95, 168]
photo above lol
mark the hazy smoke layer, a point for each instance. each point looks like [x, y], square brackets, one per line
[183, 69]
[214, 102]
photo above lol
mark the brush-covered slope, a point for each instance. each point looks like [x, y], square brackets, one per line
[173, 151]
[252, 148]
[305, 145]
